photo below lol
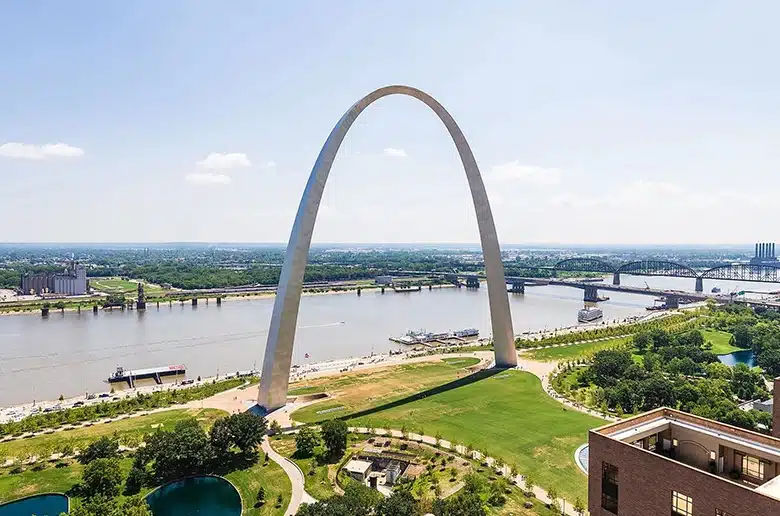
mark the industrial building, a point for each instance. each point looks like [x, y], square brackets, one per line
[765, 254]
[71, 282]
[670, 462]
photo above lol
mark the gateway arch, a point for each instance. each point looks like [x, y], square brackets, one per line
[281, 334]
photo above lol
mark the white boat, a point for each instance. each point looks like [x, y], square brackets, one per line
[589, 314]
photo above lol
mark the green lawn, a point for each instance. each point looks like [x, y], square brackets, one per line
[351, 392]
[318, 485]
[121, 286]
[274, 481]
[129, 431]
[508, 415]
[720, 341]
[574, 351]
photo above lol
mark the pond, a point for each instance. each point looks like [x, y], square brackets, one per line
[41, 505]
[739, 357]
[207, 496]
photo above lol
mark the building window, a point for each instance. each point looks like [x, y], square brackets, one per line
[652, 442]
[681, 505]
[719, 512]
[752, 467]
[609, 487]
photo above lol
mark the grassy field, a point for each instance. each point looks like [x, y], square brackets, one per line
[272, 478]
[360, 390]
[720, 341]
[574, 351]
[127, 430]
[121, 286]
[318, 485]
[507, 414]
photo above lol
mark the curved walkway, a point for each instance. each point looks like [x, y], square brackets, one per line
[519, 480]
[294, 473]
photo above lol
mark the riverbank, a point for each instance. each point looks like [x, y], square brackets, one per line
[85, 303]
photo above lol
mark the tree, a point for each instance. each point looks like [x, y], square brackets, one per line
[136, 479]
[334, 435]
[657, 391]
[745, 382]
[184, 451]
[103, 448]
[400, 503]
[275, 428]
[101, 477]
[642, 342]
[306, 440]
[742, 337]
[462, 504]
[769, 361]
[579, 506]
[609, 366]
[358, 500]
[221, 437]
[101, 506]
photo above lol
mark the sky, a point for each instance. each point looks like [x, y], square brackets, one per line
[199, 121]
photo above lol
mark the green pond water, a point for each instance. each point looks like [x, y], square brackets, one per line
[195, 496]
[42, 505]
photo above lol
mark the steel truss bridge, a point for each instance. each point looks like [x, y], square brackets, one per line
[766, 272]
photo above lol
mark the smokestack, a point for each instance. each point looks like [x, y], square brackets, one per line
[760, 250]
[776, 410]
[773, 251]
[763, 250]
[756, 255]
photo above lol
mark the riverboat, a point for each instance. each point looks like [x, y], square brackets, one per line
[587, 315]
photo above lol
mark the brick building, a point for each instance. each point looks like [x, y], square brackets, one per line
[670, 462]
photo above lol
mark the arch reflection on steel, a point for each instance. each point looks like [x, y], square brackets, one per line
[281, 335]
[743, 272]
[584, 265]
[657, 268]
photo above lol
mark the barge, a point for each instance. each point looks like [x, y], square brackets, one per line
[413, 337]
[157, 373]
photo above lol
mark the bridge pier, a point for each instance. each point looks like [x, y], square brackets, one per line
[616, 278]
[358, 291]
[94, 309]
[591, 294]
[383, 290]
[518, 287]
[194, 301]
[472, 282]
[219, 301]
[699, 284]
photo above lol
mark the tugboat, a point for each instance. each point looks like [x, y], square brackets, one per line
[716, 290]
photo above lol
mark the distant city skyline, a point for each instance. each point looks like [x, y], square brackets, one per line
[599, 124]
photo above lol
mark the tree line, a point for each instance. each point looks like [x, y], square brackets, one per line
[110, 409]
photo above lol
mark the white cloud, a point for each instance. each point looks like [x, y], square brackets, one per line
[220, 161]
[208, 178]
[270, 164]
[31, 151]
[394, 153]
[528, 174]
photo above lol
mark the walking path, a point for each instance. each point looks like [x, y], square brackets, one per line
[519, 480]
[294, 473]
